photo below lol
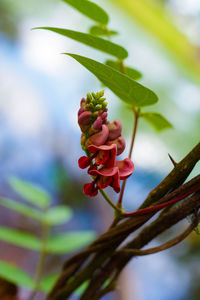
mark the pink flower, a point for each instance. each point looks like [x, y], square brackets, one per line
[120, 143]
[102, 142]
[99, 138]
[115, 130]
[104, 155]
[105, 176]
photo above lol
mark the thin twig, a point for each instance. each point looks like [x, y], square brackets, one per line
[164, 246]
[109, 201]
[136, 114]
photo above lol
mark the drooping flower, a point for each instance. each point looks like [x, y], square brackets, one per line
[102, 143]
[106, 176]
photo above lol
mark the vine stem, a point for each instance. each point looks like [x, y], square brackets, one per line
[173, 242]
[136, 114]
[41, 261]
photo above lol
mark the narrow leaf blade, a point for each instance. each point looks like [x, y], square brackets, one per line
[58, 215]
[132, 73]
[21, 208]
[15, 275]
[68, 242]
[19, 238]
[157, 121]
[91, 40]
[90, 9]
[123, 86]
[30, 192]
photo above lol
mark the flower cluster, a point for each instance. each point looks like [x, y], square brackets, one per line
[102, 142]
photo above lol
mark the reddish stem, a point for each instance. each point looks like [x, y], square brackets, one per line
[160, 206]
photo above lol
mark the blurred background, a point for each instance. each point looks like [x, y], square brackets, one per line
[40, 93]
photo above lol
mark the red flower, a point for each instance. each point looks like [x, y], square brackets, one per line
[105, 176]
[104, 155]
[102, 142]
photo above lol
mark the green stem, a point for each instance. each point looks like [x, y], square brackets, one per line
[109, 201]
[41, 261]
[121, 66]
[136, 114]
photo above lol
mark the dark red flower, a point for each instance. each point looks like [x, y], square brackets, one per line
[104, 155]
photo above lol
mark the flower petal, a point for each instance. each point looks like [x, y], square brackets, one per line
[120, 143]
[126, 168]
[104, 182]
[97, 124]
[90, 189]
[115, 130]
[100, 137]
[84, 118]
[84, 162]
[104, 172]
[115, 184]
[106, 154]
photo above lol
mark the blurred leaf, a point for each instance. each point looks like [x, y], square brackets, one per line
[68, 242]
[90, 9]
[91, 40]
[159, 22]
[15, 275]
[58, 215]
[19, 238]
[21, 208]
[30, 192]
[97, 30]
[134, 74]
[157, 121]
[79, 291]
[47, 282]
[123, 86]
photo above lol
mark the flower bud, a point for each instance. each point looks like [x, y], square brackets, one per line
[98, 123]
[84, 118]
[99, 138]
[115, 130]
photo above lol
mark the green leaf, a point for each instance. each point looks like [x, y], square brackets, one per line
[90, 9]
[58, 215]
[68, 242]
[92, 41]
[134, 74]
[19, 238]
[97, 30]
[30, 192]
[79, 291]
[123, 86]
[15, 275]
[157, 120]
[47, 282]
[21, 208]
